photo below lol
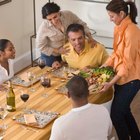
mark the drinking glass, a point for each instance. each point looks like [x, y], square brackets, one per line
[3, 114]
[46, 83]
[31, 78]
[41, 63]
[24, 97]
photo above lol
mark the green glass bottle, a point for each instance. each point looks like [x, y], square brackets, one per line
[10, 98]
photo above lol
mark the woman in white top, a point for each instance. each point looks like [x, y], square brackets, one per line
[7, 52]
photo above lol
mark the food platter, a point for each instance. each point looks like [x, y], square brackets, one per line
[95, 78]
[42, 118]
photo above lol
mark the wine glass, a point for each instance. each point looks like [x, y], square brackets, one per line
[41, 63]
[46, 83]
[3, 114]
[24, 97]
[31, 78]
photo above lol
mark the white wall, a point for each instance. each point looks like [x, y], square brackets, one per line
[138, 6]
[93, 13]
[16, 24]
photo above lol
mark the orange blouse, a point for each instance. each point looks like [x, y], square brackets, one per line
[125, 58]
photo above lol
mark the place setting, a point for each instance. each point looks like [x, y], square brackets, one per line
[65, 72]
[29, 117]
[35, 118]
[26, 79]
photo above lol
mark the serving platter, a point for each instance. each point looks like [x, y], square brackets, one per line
[95, 78]
[42, 118]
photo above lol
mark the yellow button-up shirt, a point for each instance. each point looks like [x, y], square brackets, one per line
[93, 57]
[126, 55]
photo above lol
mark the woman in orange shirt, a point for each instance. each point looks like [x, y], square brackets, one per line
[126, 62]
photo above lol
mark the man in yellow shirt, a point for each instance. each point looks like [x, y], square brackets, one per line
[81, 54]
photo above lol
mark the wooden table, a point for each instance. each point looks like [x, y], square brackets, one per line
[54, 102]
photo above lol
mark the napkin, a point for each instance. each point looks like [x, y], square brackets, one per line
[30, 119]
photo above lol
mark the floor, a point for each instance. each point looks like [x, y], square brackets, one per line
[135, 108]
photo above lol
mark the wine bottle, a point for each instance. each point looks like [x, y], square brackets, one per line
[10, 98]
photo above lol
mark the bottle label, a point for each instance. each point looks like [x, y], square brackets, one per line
[9, 107]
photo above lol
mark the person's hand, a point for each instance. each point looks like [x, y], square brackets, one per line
[63, 50]
[56, 65]
[104, 65]
[105, 87]
[86, 69]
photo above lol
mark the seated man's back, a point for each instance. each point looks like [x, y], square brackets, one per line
[85, 121]
[89, 122]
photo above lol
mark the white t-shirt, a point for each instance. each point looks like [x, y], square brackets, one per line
[4, 74]
[89, 122]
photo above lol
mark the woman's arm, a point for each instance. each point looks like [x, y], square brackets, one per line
[42, 40]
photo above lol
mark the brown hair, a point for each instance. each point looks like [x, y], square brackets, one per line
[49, 8]
[75, 27]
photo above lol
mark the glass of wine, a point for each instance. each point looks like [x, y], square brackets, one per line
[24, 97]
[31, 78]
[46, 83]
[41, 63]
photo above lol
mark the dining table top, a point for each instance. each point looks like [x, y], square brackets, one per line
[43, 100]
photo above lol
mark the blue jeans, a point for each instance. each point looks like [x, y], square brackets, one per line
[50, 59]
[121, 115]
